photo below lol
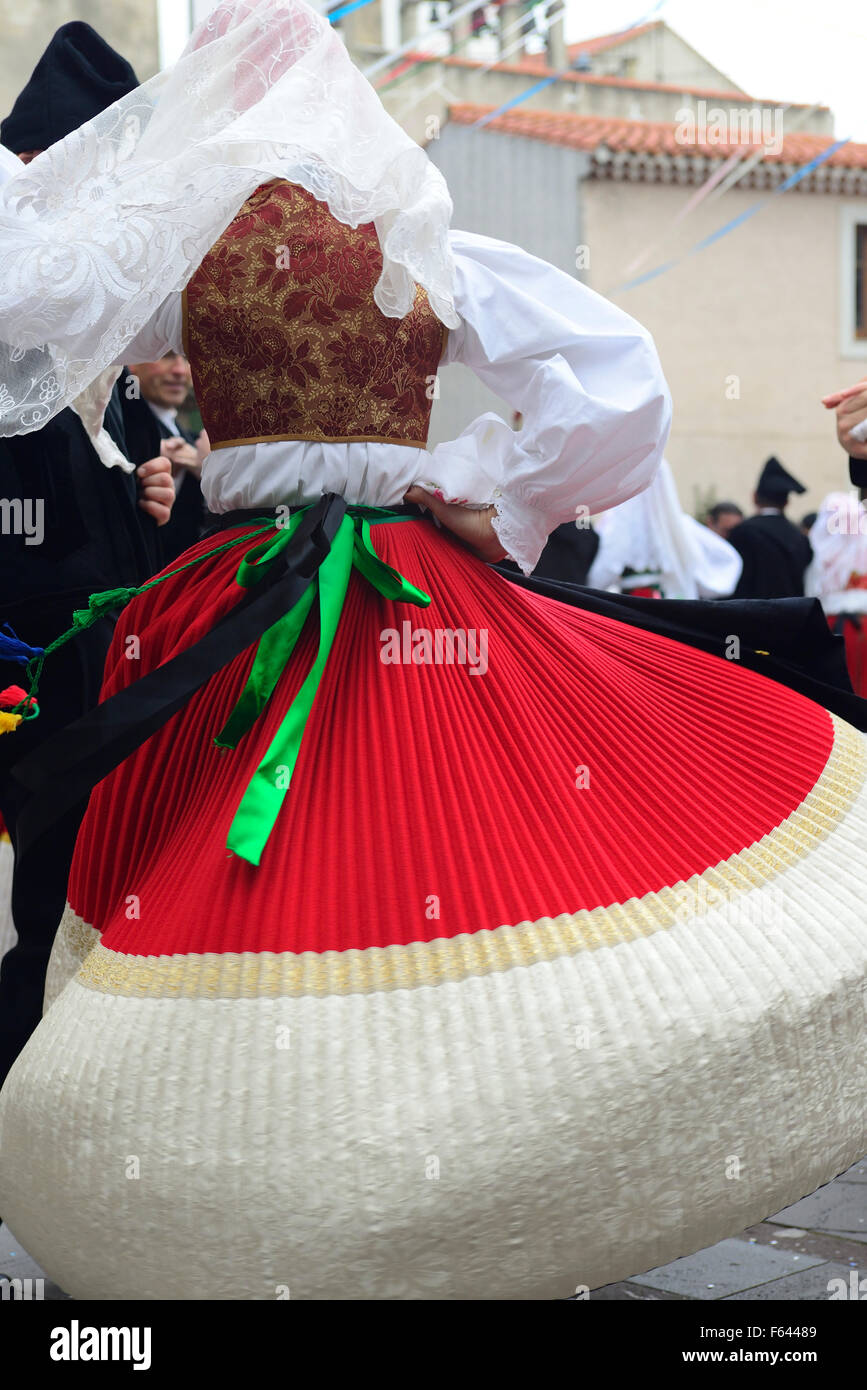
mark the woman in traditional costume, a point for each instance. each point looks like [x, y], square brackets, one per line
[837, 576]
[651, 546]
[424, 938]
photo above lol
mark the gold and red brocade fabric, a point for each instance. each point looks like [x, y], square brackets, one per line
[286, 341]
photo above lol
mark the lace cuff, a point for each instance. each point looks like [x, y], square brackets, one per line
[523, 532]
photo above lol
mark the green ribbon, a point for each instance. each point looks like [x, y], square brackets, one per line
[98, 606]
[352, 548]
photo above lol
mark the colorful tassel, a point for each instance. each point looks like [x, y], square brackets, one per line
[13, 695]
[100, 604]
[13, 649]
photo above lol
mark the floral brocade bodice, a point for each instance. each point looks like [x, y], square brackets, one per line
[284, 337]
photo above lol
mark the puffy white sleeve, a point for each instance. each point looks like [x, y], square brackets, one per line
[585, 377]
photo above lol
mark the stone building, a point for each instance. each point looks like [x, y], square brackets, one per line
[752, 329]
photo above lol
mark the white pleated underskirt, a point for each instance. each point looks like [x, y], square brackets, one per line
[520, 1132]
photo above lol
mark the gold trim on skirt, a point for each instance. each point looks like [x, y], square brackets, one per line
[250, 975]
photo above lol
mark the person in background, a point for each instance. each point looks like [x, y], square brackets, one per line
[774, 551]
[837, 576]
[723, 517]
[808, 521]
[151, 425]
[650, 547]
[568, 555]
[95, 527]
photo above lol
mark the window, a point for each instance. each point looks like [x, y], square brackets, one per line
[861, 280]
[852, 279]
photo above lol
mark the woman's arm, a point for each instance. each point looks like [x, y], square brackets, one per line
[586, 378]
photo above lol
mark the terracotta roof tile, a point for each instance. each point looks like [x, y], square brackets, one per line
[647, 137]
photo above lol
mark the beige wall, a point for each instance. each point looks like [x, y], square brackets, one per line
[763, 305]
[362, 33]
[27, 25]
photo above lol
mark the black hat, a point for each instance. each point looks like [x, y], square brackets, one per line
[77, 77]
[776, 482]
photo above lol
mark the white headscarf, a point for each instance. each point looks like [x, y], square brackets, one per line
[652, 534]
[100, 228]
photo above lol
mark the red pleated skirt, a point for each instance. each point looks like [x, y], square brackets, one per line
[855, 639]
[588, 763]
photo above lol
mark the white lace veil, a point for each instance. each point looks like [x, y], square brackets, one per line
[98, 230]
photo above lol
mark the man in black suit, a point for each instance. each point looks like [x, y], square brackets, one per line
[153, 392]
[97, 530]
[774, 551]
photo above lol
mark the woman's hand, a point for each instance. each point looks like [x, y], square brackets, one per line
[473, 528]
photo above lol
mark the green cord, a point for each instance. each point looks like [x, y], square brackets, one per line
[99, 605]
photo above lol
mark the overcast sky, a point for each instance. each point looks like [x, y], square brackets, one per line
[789, 50]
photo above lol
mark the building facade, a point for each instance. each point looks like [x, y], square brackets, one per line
[752, 330]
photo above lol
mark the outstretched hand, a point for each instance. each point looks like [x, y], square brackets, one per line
[851, 408]
[473, 528]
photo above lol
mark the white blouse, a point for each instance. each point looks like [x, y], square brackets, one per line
[585, 376]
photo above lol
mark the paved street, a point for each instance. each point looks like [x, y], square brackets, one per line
[791, 1257]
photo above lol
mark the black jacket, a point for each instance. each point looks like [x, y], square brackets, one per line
[94, 534]
[567, 557]
[144, 434]
[775, 555]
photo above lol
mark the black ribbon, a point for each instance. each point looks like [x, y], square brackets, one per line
[62, 772]
[788, 640]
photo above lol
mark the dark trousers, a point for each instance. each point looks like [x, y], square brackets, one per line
[70, 686]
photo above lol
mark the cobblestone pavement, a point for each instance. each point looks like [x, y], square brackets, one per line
[793, 1256]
